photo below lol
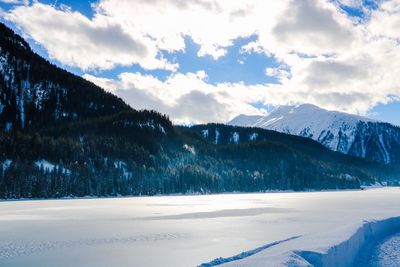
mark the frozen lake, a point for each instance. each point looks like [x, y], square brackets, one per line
[175, 230]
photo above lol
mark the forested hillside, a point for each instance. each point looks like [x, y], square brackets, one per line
[36, 93]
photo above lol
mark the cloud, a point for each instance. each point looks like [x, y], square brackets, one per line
[186, 98]
[75, 40]
[332, 74]
[385, 21]
[15, 2]
[325, 57]
[312, 27]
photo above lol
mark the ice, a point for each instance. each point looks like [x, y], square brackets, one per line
[187, 230]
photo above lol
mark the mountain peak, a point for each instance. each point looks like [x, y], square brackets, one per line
[244, 120]
[338, 131]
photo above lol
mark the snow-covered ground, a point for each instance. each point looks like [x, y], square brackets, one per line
[271, 229]
[384, 254]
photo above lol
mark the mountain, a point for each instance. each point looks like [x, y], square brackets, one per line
[350, 134]
[36, 93]
[62, 136]
[227, 135]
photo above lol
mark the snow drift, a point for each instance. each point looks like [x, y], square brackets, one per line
[337, 248]
[347, 252]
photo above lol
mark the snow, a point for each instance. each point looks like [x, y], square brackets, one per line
[161, 128]
[6, 164]
[204, 133]
[189, 149]
[41, 94]
[119, 164]
[309, 121]
[46, 165]
[272, 229]
[363, 148]
[245, 254]
[245, 120]
[385, 254]
[385, 153]
[20, 101]
[346, 252]
[3, 62]
[216, 136]
[50, 167]
[235, 137]
[8, 127]
[253, 136]
[150, 124]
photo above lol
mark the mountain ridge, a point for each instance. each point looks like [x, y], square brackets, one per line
[338, 131]
[36, 93]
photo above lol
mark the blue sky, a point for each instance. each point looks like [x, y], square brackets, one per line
[247, 63]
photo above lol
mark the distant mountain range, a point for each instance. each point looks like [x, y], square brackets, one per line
[62, 136]
[350, 134]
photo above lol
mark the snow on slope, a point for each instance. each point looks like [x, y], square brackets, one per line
[45, 164]
[307, 120]
[245, 120]
[385, 254]
[338, 131]
[50, 167]
[6, 164]
[336, 248]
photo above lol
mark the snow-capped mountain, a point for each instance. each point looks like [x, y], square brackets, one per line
[338, 131]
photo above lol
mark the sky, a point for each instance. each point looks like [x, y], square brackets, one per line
[210, 60]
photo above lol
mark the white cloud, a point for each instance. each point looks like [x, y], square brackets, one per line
[326, 57]
[281, 73]
[386, 20]
[75, 40]
[15, 2]
[187, 98]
